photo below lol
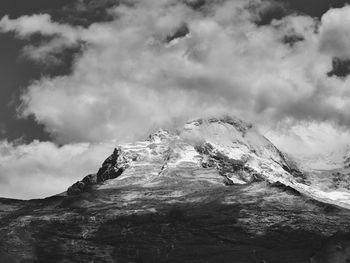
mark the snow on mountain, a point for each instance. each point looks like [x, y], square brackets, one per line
[332, 160]
[205, 151]
[328, 174]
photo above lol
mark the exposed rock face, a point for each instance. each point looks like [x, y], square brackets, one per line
[111, 168]
[83, 185]
[227, 166]
[215, 191]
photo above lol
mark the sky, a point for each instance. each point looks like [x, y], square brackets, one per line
[79, 77]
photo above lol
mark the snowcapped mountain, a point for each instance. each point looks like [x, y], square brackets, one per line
[215, 150]
[212, 191]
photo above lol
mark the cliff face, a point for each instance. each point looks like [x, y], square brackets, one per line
[215, 191]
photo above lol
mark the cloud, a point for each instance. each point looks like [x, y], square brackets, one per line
[41, 169]
[133, 75]
[57, 36]
[308, 138]
[129, 78]
[26, 26]
[335, 32]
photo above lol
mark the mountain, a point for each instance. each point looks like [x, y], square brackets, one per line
[215, 190]
[210, 150]
[224, 149]
[329, 172]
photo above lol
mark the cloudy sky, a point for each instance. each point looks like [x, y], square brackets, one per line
[78, 77]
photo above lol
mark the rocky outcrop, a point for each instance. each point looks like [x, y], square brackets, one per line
[83, 185]
[227, 167]
[111, 168]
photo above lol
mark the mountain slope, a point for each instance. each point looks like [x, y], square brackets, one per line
[214, 191]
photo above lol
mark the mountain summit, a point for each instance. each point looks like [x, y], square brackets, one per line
[222, 150]
[215, 190]
[214, 151]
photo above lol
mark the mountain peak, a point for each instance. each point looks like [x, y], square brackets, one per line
[226, 149]
[223, 120]
[160, 135]
[215, 151]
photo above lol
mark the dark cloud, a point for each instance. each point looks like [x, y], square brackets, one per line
[196, 4]
[277, 9]
[16, 74]
[314, 8]
[17, 8]
[272, 10]
[340, 68]
[180, 32]
[291, 39]
[77, 12]
[85, 12]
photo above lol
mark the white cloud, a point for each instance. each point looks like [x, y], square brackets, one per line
[60, 36]
[26, 26]
[335, 32]
[129, 80]
[309, 138]
[41, 169]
